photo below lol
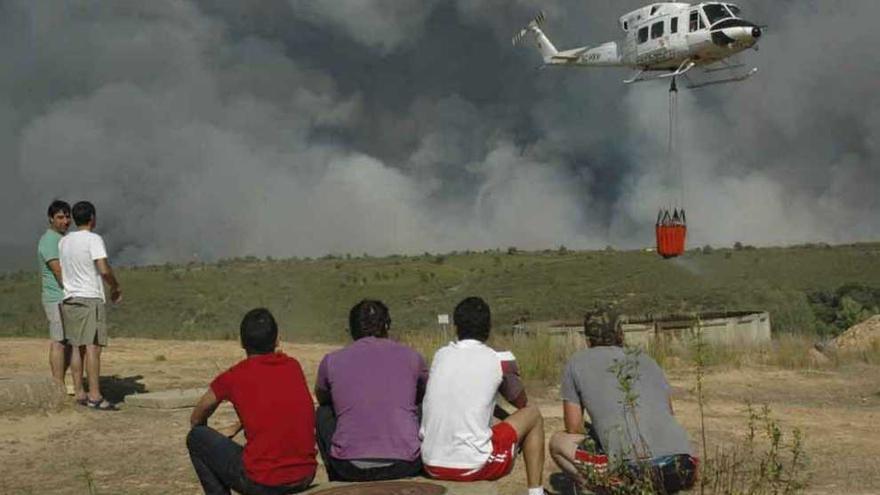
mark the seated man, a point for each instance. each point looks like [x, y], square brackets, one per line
[369, 395]
[270, 395]
[459, 441]
[634, 437]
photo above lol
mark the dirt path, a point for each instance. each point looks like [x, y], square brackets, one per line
[142, 451]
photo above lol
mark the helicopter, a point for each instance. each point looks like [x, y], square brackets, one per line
[669, 38]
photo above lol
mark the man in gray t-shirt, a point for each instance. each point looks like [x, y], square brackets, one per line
[627, 398]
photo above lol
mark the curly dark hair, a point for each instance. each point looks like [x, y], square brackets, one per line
[369, 318]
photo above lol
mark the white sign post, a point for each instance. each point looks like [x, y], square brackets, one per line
[443, 321]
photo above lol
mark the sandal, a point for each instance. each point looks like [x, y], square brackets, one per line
[101, 405]
[82, 402]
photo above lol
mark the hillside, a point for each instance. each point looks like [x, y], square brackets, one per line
[311, 297]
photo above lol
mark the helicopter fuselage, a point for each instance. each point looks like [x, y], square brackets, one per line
[665, 36]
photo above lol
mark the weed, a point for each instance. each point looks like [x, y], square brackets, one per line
[750, 468]
[765, 462]
[88, 478]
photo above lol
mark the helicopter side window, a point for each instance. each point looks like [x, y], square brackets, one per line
[673, 25]
[695, 22]
[657, 30]
[643, 34]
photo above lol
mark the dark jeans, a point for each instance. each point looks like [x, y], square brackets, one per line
[217, 461]
[344, 470]
[669, 474]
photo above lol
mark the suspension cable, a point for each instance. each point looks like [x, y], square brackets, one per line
[674, 164]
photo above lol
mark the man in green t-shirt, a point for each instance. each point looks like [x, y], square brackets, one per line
[53, 292]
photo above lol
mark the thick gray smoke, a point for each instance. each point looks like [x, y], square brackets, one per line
[221, 128]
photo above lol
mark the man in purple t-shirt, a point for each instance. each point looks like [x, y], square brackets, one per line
[370, 394]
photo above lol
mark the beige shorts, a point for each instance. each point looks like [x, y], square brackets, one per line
[84, 321]
[56, 327]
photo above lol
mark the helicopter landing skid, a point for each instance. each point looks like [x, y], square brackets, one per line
[681, 70]
[741, 77]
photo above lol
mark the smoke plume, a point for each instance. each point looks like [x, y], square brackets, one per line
[206, 129]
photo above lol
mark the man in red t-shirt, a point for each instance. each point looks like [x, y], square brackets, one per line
[274, 407]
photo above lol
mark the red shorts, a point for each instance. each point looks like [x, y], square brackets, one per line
[499, 464]
[599, 462]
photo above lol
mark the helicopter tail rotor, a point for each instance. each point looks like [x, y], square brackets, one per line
[533, 26]
[544, 44]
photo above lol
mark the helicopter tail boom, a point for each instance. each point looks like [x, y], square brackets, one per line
[604, 55]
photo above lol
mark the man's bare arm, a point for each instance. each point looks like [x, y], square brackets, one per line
[204, 409]
[573, 416]
[512, 388]
[55, 266]
[108, 276]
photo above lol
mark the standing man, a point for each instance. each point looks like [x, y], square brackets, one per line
[630, 431]
[460, 439]
[53, 293]
[362, 437]
[83, 266]
[269, 393]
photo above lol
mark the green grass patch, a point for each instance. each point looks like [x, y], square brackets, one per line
[311, 298]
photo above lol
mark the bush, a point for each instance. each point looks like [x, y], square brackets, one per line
[839, 309]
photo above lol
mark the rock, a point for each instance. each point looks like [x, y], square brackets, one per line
[817, 358]
[861, 336]
[30, 393]
[166, 399]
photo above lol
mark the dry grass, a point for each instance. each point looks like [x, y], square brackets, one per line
[541, 358]
[785, 351]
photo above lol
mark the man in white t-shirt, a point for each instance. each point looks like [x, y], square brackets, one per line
[459, 440]
[84, 268]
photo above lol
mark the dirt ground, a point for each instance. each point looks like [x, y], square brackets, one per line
[141, 451]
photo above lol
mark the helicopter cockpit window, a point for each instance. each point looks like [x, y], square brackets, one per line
[657, 30]
[733, 9]
[715, 12]
[643, 34]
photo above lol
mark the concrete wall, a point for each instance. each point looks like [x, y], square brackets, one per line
[744, 328]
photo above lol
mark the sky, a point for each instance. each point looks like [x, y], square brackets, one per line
[211, 129]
